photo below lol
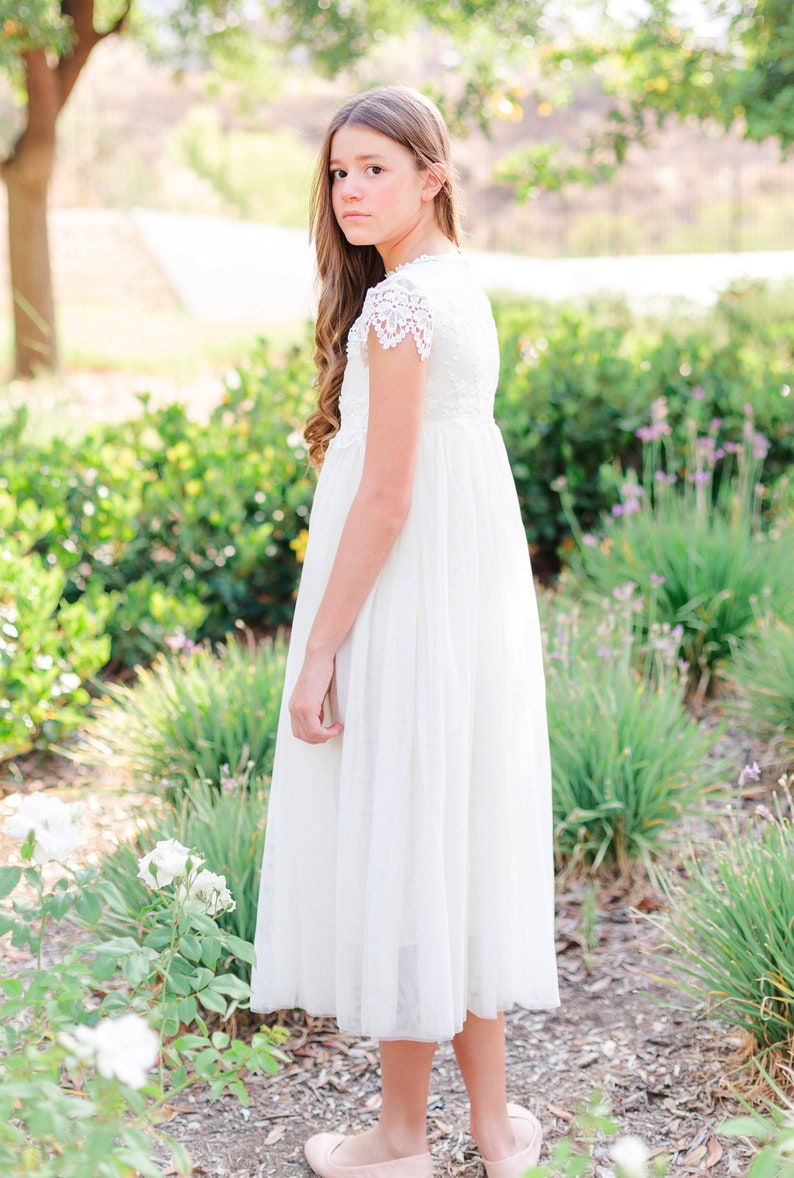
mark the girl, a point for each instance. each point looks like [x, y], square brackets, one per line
[407, 881]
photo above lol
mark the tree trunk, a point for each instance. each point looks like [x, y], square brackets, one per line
[27, 178]
[27, 174]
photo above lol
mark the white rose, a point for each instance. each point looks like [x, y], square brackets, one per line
[53, 823]
[630, 1156]
[166, 862]
[209, 891]
[124, 1049]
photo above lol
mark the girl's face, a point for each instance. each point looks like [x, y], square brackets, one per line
[378, 194]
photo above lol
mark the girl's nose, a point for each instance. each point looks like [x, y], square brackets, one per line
[350, 189]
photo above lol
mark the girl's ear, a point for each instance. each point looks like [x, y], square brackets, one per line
[435, 175]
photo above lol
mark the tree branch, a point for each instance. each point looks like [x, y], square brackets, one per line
[81, 14]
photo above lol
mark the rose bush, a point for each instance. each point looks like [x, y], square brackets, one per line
[79, 1038]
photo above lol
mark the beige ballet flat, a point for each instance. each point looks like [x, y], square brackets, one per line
[319, 1154]
[530, 1136]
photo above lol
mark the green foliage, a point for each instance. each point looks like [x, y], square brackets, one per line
[187, 525]
[577, 381]
[731, 929]
[67, 1102]
[704, 548]
[762, 675]
[628, 761]
[191, 714]
[230, 829]
[772, 1128]
[48, 649]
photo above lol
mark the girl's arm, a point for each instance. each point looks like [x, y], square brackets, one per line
[377, 513]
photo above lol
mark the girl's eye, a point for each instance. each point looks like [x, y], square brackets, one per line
[338, 174]
[375, 169]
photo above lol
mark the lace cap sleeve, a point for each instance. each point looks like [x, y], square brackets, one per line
[394, 311]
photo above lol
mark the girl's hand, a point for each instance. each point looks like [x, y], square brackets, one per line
[306, 702]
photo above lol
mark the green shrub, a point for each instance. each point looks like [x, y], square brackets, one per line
[190, 714]
[704, 548]
[730, 926]
[189, 525]
[577, 380]
[762, 675]
[229, 826]
[47, 650]
[628, 761]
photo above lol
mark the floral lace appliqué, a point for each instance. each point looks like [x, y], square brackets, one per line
[395, 311]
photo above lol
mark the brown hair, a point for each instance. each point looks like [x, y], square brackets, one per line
[346, 272]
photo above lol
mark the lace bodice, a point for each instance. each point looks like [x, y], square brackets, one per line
[436, 301]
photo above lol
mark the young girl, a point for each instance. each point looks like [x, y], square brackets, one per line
[407, 881]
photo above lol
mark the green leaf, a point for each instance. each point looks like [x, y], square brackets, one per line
[190, 946]
[88, 907]
[230, 984]
[186, 1010]
[103, 967]
[180, 1157]
[211, 1000]
[158, 938]
[242, 949]
[12, 987]
[210, 951]
[9, 878]
[136, 969]
[58, 905]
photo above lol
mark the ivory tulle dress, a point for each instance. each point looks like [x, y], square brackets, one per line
[407, 874]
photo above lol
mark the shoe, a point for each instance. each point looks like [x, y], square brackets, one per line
[319, 1152]
[529, 1136]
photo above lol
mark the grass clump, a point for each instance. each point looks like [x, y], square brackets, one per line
[190, 714]
[628, 761]
[731, 929]
[702, 537]
[762, 676]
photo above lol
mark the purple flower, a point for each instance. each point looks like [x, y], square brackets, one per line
[659, 409]
[656, 580]
[706, 444]
[732, 447]
[617, 509]
[603, 652]
[750, 773]
[624, 592]
[760, 446]
[661, 476]
[715, 424]
[652, 433]
[631, 506]
[589, 541]
[719, 452]
[700, 477]
[698, 393]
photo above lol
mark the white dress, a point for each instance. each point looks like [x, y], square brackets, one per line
[408, 873]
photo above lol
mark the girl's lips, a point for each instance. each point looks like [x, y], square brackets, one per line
[353, 216]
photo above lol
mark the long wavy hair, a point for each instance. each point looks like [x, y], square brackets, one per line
[346, 272]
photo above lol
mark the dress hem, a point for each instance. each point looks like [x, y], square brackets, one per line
[444, 1037]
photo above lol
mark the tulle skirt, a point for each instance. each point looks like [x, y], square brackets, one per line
[407, 874]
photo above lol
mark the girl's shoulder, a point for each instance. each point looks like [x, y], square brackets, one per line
[414, 299]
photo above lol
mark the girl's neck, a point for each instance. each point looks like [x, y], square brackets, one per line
[412, 246]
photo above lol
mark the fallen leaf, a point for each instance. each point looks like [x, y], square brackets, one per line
[695, 1156]
[714, 1153]
[275, 1134]
[562, 1113]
